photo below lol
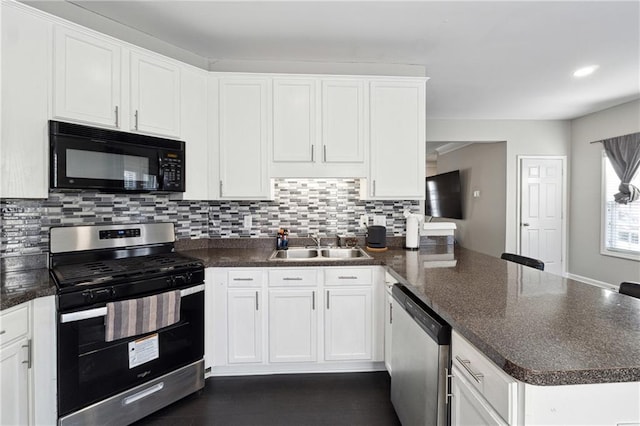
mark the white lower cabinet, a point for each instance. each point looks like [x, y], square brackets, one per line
[482, 392]
[467, 406]
[27, 363]
[278, 320]
[388, 320]
[293, 325]
[348, 324]
[14, 370]
[244, 325]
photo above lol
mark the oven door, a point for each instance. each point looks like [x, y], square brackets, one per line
[90, 369]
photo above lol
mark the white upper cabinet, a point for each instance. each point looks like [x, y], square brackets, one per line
[244, 124]
[87, 73]
[26, 75]
[318, 127]
[397, 132]
[193, 117]
[294, 120]
[98, 81]
[155, 95]
[343, 121]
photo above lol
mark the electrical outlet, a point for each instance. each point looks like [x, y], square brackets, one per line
[247, 221]
[380, 220]
[364, 221]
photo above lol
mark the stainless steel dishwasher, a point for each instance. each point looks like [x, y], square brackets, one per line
[420, 359]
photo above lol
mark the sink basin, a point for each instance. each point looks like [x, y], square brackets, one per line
[343, 253]
[295, 254]
[309, 253]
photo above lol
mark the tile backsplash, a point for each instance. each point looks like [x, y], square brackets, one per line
[325, 206]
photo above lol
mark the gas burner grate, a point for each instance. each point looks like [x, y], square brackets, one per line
[106, 270]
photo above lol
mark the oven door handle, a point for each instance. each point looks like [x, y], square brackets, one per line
[100, 312]
[83, 315]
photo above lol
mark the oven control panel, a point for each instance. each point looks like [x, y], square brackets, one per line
[119, 233]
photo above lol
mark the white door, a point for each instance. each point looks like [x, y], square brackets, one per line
[244, 321]
[293, 325]
[343, 118]
[541, 211]
[155, 96]
[348, 324]
[243, 138]
[86, 78]
[294, 120]
[397, 140]
[14, 393]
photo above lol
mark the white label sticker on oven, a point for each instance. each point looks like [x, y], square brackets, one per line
[143, 350]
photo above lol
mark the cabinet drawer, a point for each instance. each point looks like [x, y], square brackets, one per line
[245, 278]
[293, 277]
[14, 323]
[497, 387]
[348, 276]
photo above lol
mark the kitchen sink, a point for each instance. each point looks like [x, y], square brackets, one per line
[308, 253]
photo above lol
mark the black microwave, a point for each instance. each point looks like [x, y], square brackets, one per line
[89, 158]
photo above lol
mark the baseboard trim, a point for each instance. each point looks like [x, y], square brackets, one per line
[591, 281]
[263, 369]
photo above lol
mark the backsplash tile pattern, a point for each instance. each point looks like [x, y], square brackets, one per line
[325, 206]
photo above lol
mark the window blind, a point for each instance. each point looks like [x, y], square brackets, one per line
[622, 221]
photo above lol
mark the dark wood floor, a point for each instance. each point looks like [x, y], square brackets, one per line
[296, 400]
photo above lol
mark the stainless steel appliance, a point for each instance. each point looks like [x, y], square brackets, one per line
[420, 359]
[90, 158]
[130, 322]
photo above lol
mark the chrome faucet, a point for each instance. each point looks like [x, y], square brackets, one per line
[316, 239]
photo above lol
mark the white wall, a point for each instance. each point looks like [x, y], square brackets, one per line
[523, 137]
[585, 195]
[482, 168]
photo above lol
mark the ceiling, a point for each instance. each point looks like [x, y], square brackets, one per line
[485, 60]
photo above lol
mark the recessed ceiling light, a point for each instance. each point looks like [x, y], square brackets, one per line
[585, 71]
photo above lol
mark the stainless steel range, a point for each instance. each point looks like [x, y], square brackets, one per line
[130, 322]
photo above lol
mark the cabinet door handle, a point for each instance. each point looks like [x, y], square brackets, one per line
[525, 224]
[347, 277]
[117, 118]
[467, 366]
[390, 313]
[324, 153]
[312, 152]
[313, 300]
[291, 279]
[28, 346]
[221, 188]
[257, 306]
[2, 332]
[373, 190]
[136, 119]
[243, 279]
[328, 299]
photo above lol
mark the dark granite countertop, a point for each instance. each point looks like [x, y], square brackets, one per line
[538, 327]
[17, 287]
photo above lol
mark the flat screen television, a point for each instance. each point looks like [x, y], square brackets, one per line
[444, 195]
